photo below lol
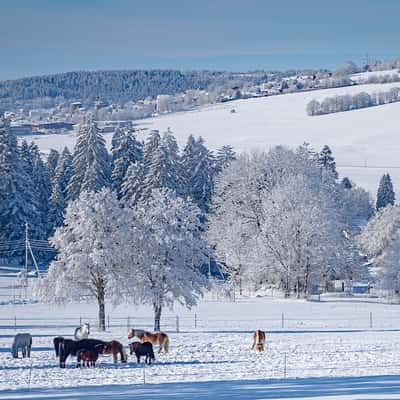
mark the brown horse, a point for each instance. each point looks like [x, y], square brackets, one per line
[88, 358]
[159, 338]
[114, 347]
[258, 340]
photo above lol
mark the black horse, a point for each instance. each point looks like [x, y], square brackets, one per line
[56, 341]
[69, 347]
[142, 349]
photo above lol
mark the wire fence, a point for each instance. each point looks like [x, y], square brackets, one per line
[196, 322]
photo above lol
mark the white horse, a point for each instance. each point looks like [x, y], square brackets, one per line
[82, 332]
[23, 342]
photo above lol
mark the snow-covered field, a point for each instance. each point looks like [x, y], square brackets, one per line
[366, 137]
[329, 347]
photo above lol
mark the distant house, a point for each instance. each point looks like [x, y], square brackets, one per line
[21, 129]
[68, 126]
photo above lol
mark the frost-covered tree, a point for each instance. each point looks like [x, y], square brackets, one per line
[171, 253]
[162, 166]
[224, 157]
[52, 161]
[42, 187]
[90, 253]
[132, 184]
[18, 204]
[198, 167]
[90, 164]
[58, 198]
[385, 195]
[276, 219]
[327, 161]
[381, 242]
[126, 149]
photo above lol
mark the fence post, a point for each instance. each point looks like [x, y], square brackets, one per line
[177, 324]
[370, 319]
[108, 321]
[283, 320]
[195, 320]
[284, 366]
[15, 322]
[128, 322]
[80, 321]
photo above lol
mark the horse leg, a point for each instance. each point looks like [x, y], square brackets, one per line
[115, 357]
[138, 359]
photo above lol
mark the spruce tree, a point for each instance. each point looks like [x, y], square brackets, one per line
[346, 183]
[161, 164]
[58, 198]
[52, 160]
[132, 184]
[90, 164]
[198, 166]
[18, 204]
[224, 157]
[42, 187]
[385, 195]
[125, 151]
[327, 161]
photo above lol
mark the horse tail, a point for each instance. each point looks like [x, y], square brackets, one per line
[166, 344]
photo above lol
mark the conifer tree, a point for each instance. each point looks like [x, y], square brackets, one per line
[224, 157]
[327, 161]
[198, 166]
[385, 195]
[125, 151]
[52, 160]
[90, 164]
[18, 205]
[132, 184]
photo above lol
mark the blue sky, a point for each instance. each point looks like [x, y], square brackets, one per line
[48, 36]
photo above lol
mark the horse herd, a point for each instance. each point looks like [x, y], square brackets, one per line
[88, 350]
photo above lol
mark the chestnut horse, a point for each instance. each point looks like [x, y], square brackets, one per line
[258, 340]
[114, 347]
[159, 338]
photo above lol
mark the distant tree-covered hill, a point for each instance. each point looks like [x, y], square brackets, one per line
[112, 86]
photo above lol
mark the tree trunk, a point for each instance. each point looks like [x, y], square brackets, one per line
[102, 310]
[157, 317]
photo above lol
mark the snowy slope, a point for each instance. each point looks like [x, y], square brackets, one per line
[362, 137]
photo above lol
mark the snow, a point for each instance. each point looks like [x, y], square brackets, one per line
[331, 352]
[359, 138]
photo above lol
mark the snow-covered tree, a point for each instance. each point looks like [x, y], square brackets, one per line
[198, 167]
[276, 219]
[327, 161]
[381, 242]
[42, 187]
[58, 198]
[172, 250]
[125, 151]
[90, 165]
[52, 161]
[90, 257]
[132, 184]
[385, 195]
[224, 157]
[162, 166]
[18, 204]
